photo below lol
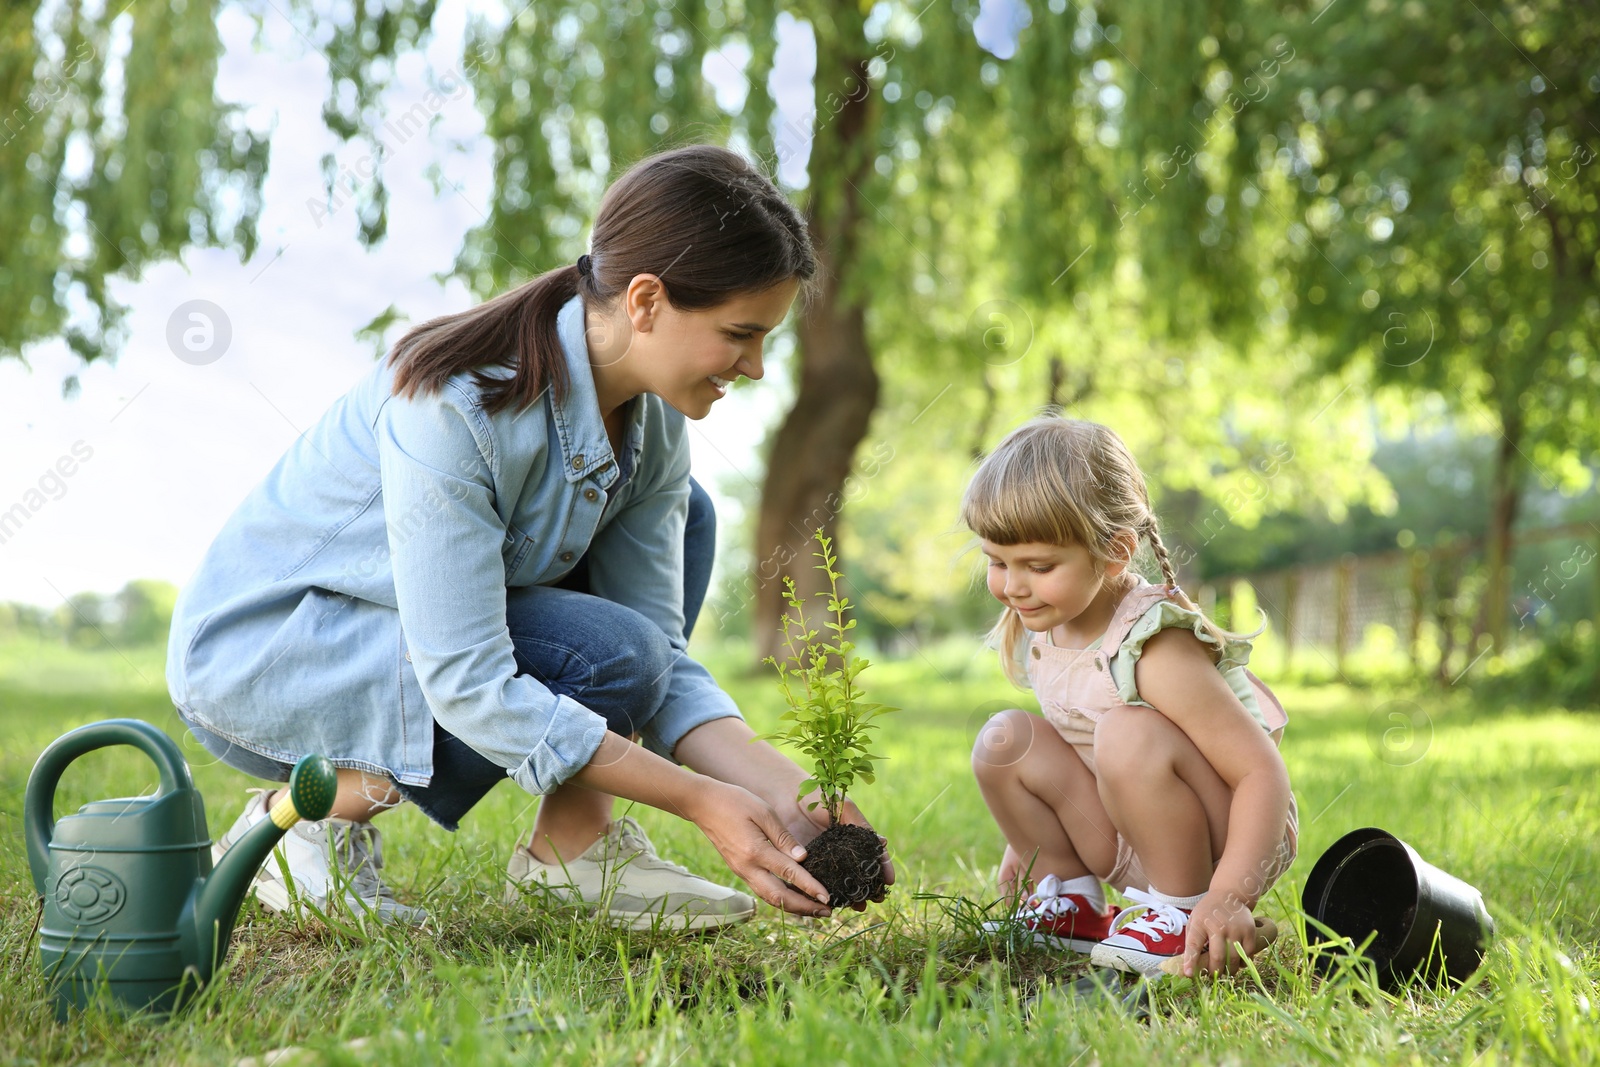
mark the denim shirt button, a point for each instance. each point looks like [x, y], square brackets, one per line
[591, 495]
[577, 462]
[566, 557]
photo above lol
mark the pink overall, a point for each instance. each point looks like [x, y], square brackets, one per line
[1076, 690]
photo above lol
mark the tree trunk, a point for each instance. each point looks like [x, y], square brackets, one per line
[1514, 377]
[1504, 499]
[815, 446]
[980, 432]
[1446, 568]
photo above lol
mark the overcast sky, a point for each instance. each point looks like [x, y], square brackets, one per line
[134, 476]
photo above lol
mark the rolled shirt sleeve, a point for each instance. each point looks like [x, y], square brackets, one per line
[436, 457]
[637, 561]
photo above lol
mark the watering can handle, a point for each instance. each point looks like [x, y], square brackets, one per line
[39, 807]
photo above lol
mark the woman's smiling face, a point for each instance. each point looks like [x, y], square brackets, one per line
[690, 358]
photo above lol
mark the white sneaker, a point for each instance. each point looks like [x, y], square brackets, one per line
[622, 875]
[333, 855]
[1144, 936]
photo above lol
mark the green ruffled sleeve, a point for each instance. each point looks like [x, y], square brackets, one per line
[1166, 613]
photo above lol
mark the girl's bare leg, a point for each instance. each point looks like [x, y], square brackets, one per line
[1169, 803]
[1043, 797]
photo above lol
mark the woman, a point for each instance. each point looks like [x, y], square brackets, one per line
[474, 567]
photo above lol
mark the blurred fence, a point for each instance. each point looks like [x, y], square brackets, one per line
[1430, 598]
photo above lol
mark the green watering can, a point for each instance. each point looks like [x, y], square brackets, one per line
[130, 898]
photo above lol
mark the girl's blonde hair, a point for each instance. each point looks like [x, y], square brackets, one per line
[1062, 482]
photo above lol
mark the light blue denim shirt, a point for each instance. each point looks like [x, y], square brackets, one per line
[359, 592]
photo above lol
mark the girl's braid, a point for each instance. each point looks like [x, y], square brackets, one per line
[1168, 571]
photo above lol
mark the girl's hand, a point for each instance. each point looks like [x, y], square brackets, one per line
[1011, 871]
[807, 822]
[1222, 935]
[758, 847]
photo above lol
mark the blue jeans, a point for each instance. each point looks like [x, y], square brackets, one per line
[609, 658]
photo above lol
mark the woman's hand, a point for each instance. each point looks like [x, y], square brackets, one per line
[727, 750]
[806, 822]
[1221, 929]
[759, 848]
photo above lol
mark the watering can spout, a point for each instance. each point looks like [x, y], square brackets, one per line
[310, 796]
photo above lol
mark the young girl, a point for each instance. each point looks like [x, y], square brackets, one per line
[1161, 772]
[474, 567]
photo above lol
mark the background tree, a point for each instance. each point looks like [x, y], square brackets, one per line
[1423, 182]
[99, 185]
[1136, 213]
[620, 85]
[1449, 186]
[144, 611]
[571, 93]
[87, 619]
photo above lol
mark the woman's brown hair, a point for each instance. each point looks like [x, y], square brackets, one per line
[701, 218]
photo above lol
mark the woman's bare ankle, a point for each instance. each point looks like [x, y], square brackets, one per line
[570, 820]
[555, 845]
[360, 798]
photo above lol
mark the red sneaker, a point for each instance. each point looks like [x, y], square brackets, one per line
[1052, 919]
[1143, 935]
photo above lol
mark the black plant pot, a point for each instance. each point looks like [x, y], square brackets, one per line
[1421, 920]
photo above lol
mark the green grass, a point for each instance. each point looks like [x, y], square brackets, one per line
[1505, 798]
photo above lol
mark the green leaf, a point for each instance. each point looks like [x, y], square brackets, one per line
[827, 712]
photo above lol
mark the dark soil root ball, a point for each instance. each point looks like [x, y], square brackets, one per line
[848, 861]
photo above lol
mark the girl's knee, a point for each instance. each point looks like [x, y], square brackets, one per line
[1002, 742]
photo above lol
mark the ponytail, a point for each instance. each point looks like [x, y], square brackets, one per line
[516, 329]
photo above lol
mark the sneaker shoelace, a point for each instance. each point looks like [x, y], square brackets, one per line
[1151, 915]
[359, 846]
[1048, 901]
[632, 846]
